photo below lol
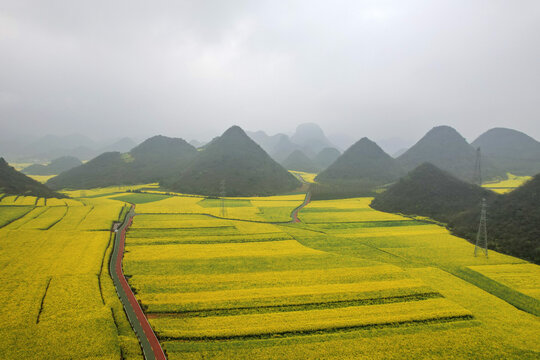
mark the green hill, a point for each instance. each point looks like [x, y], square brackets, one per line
[298, 161]
[155, 160]
[445, 148]
[15, 183]
[237, 160]
[430, 191]
[364, 161]
[326, 157]
[510, 151]
[512, 218]
[55, 167]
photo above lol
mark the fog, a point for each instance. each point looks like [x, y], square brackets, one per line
[382, 69]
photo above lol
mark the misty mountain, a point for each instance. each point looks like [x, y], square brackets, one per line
[196, 143]
[363, 161]
[55, 167]
[445, 148]
[510, 151]
[49, 147]
[399, 153]
[269, 143]
[121, 145]
[244, 167]
[154, 160]
[326, 157]
[393, 145]
[13, 182]
[285, 147]
[311, 138]
[298, 161]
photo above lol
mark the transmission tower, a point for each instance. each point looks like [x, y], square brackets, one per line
[223, 207]
[481, 236]
[477, 177]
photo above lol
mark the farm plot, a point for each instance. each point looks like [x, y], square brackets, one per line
[524, 278]
[261, 209]
[348, 282]
[57, 300]
[254, 291]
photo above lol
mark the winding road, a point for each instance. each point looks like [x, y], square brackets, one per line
[147, 338]
[294, 214]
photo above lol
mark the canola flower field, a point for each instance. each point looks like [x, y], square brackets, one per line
[57, 300]
[507, 185]
[347, 282]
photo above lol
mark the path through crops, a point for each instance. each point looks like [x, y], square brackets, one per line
[147, 338]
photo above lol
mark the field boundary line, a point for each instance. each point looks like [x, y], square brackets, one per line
[323, 331]
[43, 300]
[18, 218]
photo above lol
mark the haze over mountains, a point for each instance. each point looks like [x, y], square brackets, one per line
[49, 147]
[308, 138]
[55, 167]
[170, 160]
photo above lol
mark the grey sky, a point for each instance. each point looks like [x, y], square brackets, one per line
[380, 69]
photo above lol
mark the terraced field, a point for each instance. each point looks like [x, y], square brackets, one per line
[347, 282]
[57, 300]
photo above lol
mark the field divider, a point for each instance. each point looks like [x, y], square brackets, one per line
[43, 300]
[57, 221]
[390, 324]
[18, 218]
[295, 307]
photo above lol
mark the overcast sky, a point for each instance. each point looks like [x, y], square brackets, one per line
[191, 69]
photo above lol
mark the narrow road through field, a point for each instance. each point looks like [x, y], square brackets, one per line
[149, 343]
[294, 214]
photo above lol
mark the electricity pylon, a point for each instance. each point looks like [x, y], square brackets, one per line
[223, 207]
[477, 177]
[481, 236]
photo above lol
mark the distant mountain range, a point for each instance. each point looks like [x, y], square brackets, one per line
[299, 161]
[309, 138]
[13, 182]
[55, 167]
[50, 147]
[364, 164]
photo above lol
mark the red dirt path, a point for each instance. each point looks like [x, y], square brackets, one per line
[148, 332]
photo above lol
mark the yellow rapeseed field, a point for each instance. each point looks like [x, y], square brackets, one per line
[57, 300]
[350, 282]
